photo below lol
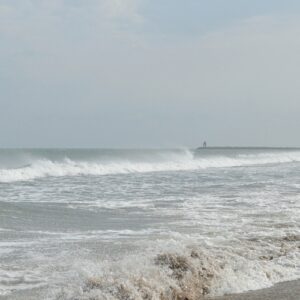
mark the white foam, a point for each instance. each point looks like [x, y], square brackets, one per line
[183, 161]
[11, 280]
[138, 273]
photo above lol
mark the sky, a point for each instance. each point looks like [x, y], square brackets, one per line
[149, 73]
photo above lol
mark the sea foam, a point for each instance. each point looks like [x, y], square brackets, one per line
[176, 270]
[172, 161]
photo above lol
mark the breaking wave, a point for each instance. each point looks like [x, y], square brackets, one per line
[180, 271]
[166, 161]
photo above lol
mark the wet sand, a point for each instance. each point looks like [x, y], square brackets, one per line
[282, 291]
[289, 290]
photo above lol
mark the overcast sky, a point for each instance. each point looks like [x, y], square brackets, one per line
[149, 73]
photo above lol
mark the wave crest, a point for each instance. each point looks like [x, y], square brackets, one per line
[183, 161]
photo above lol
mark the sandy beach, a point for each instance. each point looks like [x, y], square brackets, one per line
[282, 291]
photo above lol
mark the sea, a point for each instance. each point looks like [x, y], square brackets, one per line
[147, 223]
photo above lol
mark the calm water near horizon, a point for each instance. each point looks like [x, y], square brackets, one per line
[147, 224]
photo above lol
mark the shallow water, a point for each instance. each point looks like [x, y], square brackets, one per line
[132, 224]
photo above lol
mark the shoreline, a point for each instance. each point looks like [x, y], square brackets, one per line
[288, 290]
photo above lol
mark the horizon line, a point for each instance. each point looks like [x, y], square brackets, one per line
[151, 148]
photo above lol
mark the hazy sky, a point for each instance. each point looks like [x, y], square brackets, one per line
[149, 73]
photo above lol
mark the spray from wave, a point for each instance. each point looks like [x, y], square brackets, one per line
[181, 271]
[184, 160]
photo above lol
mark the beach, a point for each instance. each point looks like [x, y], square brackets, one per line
[282, 291]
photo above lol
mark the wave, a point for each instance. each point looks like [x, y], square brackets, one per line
[166, 161]
[175, 270]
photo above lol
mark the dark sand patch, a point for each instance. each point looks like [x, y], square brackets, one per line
[289, 290]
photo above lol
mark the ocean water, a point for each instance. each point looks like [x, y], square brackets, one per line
[147, 224]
